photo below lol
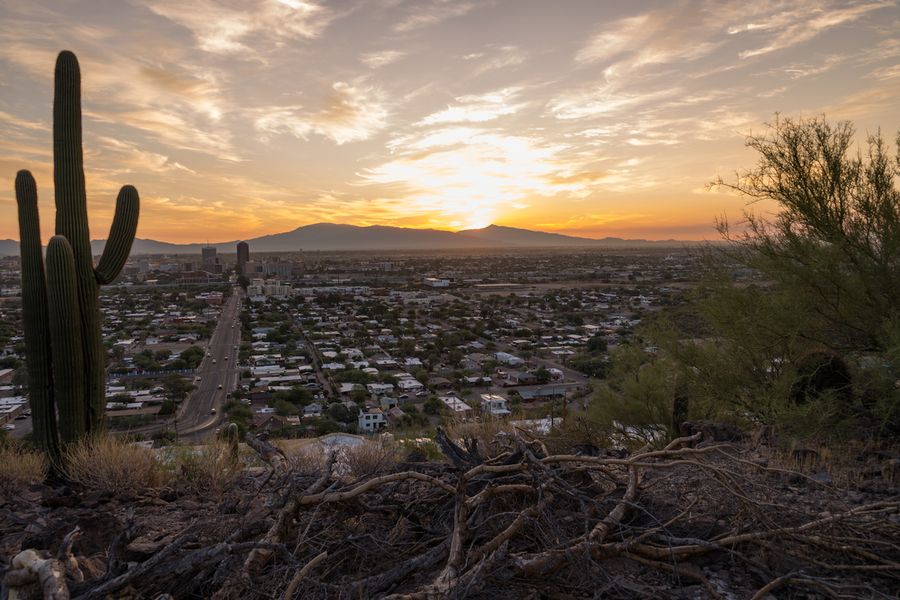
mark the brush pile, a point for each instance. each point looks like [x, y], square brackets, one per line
[506, 519]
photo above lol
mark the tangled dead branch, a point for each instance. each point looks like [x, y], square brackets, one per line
[516, 520]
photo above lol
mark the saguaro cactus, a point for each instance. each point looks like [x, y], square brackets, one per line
[66, 359]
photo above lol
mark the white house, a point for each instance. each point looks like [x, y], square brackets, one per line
[312, 410]
[380, 388]
[410, 385]
[509, 360]
[494, 405]
[370, 420]
[436, 282]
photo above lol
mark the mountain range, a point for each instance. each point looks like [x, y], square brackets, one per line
[333, 236]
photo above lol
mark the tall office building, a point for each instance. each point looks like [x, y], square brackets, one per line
[243, 256]
[209, 255]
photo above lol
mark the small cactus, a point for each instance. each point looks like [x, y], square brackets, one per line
[66, 358]
[231, 436]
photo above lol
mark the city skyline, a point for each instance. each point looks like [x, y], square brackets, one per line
[240, 120]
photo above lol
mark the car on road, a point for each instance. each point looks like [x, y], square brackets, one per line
[220, 386]
[197, 378]
[214, 361]
[212, 411]
[9, 427]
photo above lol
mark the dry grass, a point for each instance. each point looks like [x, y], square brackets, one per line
[210, 471]
[848, 464]
[308, 459]
[369, 458]
[489, 434]
[20, 468]
[110, 464]
[355, 462]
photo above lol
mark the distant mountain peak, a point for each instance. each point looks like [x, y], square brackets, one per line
[341, 236]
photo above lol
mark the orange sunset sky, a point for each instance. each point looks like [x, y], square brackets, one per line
[587, 117]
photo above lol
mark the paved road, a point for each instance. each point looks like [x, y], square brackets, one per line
[218, 376]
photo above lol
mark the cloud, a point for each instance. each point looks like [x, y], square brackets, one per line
[478, 108]
[503, 57]
[352, 112]
[431, 13]
[247, 28]
[659, 37]
[376, 60]
[469, 175]
[603, 100]
[802, 24]
[135, 159]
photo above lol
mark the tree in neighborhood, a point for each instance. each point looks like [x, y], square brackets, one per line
[822, 254]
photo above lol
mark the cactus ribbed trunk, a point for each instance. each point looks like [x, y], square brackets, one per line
[66, 340]
[65, 354]
[72, 223]
[34, 313]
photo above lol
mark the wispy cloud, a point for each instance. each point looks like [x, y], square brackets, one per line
[432, 12]
[651, 38]
[478, 108]
[376, 60]
[467, 175]
[352, 112]
[248, 28]
[804, 22]
[496, 58]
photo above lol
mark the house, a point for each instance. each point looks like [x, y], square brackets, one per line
[312, 410]
[458, 408]
[439, 383]
[410, 385]
[272, 422]
[549, 391]
[379, 389]
[494, 405]
[370, 420]
[395, 415]
[436, 282]
[509, 360]
[519, 378]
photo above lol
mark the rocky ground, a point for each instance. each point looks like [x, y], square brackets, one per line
[699, 519]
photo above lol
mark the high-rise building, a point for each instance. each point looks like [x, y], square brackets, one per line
[209, 255]
[243, 256]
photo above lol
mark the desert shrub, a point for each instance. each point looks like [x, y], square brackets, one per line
[210, 471]
[20, 467]
[114, 465]
[487, 434]
[309, 460]
[818, 373]
[368, 458]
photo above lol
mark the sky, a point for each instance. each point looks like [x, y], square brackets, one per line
[593, 118]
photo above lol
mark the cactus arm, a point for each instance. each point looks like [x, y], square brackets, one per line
[72, 223]
[34, 309]
[65, 340]
[121, 236]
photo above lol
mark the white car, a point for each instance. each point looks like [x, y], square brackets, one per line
[9, 427]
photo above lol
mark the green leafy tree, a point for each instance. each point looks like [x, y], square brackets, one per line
[177, 387]
[596, 344]
[835, 240]
[192, 356]
[819, 291]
